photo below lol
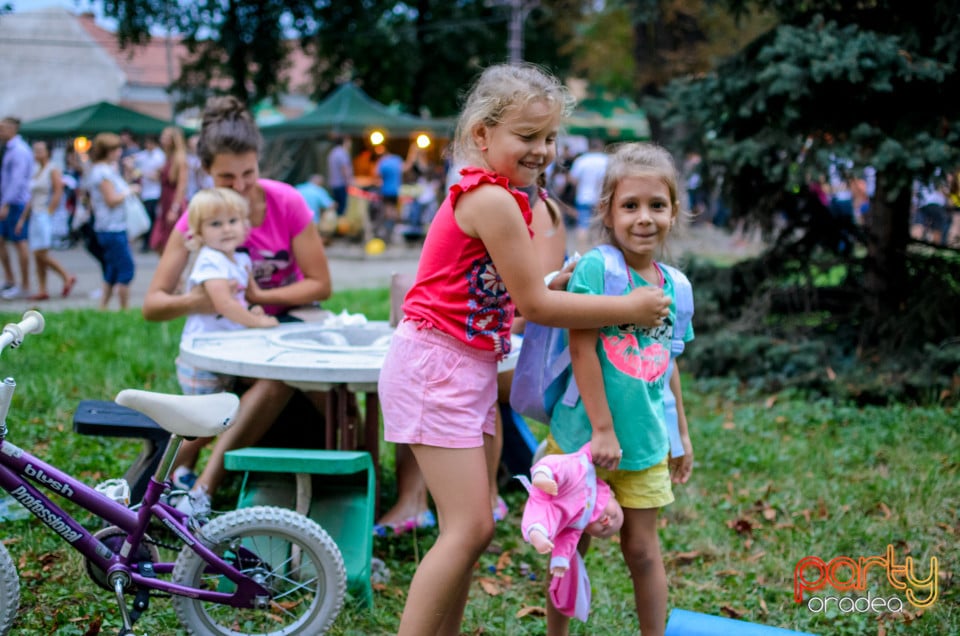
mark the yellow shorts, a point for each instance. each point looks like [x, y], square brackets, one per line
[639, 489]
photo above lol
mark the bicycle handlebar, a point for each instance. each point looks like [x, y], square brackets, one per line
[14, 332]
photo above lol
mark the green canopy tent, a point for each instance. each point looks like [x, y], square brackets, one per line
[610, 119]
[93, 119]
[297, 148]
[350, 111]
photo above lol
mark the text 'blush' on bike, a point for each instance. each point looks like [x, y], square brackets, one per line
[260, 570]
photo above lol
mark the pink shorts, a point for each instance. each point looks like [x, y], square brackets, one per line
[436, 390]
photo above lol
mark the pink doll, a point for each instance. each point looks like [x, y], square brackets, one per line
[565, 500]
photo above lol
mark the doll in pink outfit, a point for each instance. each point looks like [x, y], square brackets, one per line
[565, 500]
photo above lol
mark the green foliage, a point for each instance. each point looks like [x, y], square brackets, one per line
[868, 82]
[799, 324]
[417, 55]
[776, 479]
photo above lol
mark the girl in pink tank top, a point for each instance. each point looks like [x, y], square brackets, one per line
[438, 383]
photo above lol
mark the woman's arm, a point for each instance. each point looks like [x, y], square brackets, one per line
[56, 189]
[490, 213]
[161, 301]
[112, 196]
[24, 216]
[222, 295]
[604, 445]
[311, 258]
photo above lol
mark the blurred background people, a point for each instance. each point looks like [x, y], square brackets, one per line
[16, 168]
[46, 197]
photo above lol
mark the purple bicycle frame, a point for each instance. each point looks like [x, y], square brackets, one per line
[20, 469]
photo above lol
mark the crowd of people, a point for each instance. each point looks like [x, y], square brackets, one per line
[53, 203]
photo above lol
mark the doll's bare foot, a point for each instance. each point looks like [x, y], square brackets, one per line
[540, 541]
[545, 483]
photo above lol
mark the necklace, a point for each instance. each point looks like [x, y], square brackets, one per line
[660, 279]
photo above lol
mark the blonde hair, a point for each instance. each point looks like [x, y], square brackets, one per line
[103, 144]
[634, 160]
[498, 91]
[209, 202]
[176, 152]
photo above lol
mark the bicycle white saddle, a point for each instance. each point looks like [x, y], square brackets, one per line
[184, 415]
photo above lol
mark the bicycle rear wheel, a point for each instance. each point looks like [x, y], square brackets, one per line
[9, 590]
[283, 551]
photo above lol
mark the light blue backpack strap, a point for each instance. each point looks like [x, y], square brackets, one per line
[615, 279]
[683, 296]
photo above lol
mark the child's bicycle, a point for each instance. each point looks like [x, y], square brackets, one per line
[259, 570]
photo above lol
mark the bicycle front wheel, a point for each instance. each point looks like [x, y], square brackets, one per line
[9, 590]
[287, 553]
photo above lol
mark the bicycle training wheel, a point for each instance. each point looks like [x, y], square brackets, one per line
[287, 553]
[9, 590]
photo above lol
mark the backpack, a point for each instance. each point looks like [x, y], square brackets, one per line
[543, 375]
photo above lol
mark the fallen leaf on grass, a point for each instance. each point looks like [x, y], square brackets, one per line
[769, 513]
[386, 589]
[733, 612]
[742, 525]
[822, 511]
[531, 610]
[94, 628]
[770, 401]
[756, 556]
[728, 573]
[885, 510]
[504, 561]
[729, 425]
[490, 586]
[684, 558]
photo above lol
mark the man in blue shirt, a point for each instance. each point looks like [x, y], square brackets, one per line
[390, 168]
[340, 172]
[15, 173]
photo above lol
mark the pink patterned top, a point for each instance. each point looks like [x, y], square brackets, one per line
[458, 289]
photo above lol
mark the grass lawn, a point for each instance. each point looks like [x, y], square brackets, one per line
[777, 479]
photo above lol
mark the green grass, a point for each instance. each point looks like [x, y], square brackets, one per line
[776, 480]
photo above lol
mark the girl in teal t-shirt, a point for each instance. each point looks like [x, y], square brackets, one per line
[621, 370]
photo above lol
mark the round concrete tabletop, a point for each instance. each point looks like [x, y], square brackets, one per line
[309, 356]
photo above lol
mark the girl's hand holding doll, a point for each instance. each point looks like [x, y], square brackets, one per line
[605, 448]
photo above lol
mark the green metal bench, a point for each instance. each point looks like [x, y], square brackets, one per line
[337, 489]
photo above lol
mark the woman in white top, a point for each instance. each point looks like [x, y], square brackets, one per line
[46, 196]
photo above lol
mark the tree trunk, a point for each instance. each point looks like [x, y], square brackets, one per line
[885, 276]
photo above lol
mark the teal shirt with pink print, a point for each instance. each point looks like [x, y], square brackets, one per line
[270, 244]
[633, 361]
